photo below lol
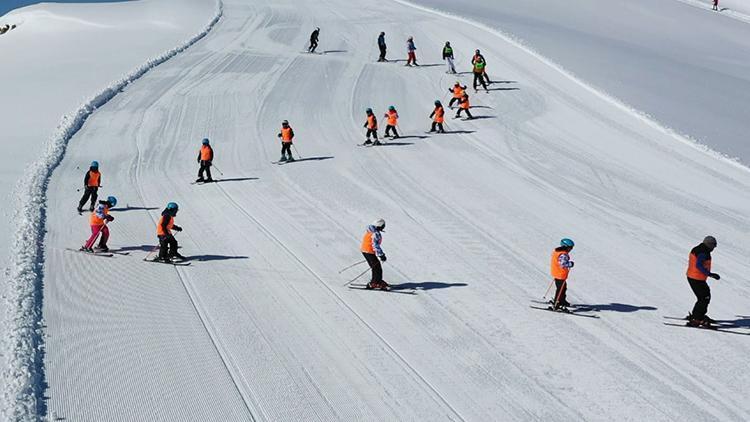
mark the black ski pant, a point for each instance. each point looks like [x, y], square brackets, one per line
[468, 113]
[382, 54]
[286, 148]
[167, 246]
[205, 166]
[388, 130]
[486, 77]
[373, 132]
[703, 294]
[89, 192]
[561, 291]
[453, 100]
[437, 126]
[374, 263]
[313, 46]
[479, 78]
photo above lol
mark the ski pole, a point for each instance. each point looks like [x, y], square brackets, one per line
[548, 288]
[295, 150]
[353, 265]
[152, 251]
[217, 169]
[355, 278]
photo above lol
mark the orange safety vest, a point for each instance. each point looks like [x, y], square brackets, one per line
[93, 178]
[439, 114]
[465, 104]
[558, 272]
[205, 153]
[286, 135]
[170, 224]
[366, 246]
[94, 220]
[693, 271]
[458, 92]
[372, 122]
[392, 118]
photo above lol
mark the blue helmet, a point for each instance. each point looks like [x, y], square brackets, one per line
[391, 108]
[205, 141]
[568, 243]
[112, 200]
[95, 164]
[172, 206]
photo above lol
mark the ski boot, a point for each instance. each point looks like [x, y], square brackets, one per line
[377, 285]
[177, 256]
[290, 159]
[80, 210]
[282, 159]
[85, 249]
[376, 143]
[200, 180]
[368, 141]
[102, 248]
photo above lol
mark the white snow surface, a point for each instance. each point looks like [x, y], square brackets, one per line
[22, 344]
[260, 326]
[675, 60]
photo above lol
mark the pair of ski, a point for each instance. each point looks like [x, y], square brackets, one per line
[390, 289]
[204, 182]
[184, 263]
[720, 326]
[575, 310]
[281, 163]
[107, 254]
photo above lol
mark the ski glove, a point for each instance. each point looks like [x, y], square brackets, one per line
[177, 228]
[110, 218]
[382, 257]
[715, 276]
[571, 264]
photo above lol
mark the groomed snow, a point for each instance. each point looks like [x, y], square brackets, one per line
[260, 327]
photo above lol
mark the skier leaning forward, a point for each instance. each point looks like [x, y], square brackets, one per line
[98, 222]
[167, 243]
[371, 250]
[560, 266]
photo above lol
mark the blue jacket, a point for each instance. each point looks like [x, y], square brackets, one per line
[377, 239]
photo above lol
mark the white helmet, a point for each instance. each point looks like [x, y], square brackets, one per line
[379, 224]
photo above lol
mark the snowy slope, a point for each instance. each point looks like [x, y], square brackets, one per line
[675, 60]
[260, 327]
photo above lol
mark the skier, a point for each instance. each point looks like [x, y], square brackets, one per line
[438, 117]
[560, 266]
[205, 158]
[448, 57]
[716, 5]
[286, 135]
[382, 47]
[698, 272]
[372, 127]
[479, 64]
[458, 93]
[92, 181]
[98, 222]
[313, 40]
[478, 57]
[371, 250]
[392, 116]
[463, 105]
[167, 243]
[411, 51]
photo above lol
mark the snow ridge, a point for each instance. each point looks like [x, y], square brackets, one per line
[643, 116]
[22, 349]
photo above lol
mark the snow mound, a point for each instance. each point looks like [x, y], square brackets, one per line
[22, 348]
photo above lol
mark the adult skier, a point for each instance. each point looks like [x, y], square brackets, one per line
[560, 266]
[392, 119]
[382, 47]
[448, 57]
[287, 136]
[372, 127]
[205, 158]
[372, 251]
[411, 51]
[91, 183]
[313, 40]
[716, 5]
[167, 242]
[98, 222]
[479, 71]
[458, 93]
[463, 105]
[438, 117]
[478, 57]
[698, 272]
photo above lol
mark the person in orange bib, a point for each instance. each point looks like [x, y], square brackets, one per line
[92, 181]
[458, 93]
[371, 250]
[287, 136]
[698, 272]
[372, 127]
[438, 117]
[560, 265]
[205, 158]
[98, 222]
[392, 118]
[464, 105]
[167, 243]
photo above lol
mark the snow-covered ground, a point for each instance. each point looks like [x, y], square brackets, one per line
[675, 60]
[260, 326]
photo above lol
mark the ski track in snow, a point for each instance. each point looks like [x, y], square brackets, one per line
[259, 326]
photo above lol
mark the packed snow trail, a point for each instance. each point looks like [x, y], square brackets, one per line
[260, 326]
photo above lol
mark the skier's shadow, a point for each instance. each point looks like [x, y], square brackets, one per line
[426, 285]
[145, 248]
[202, 258]
[742, 322]
[395, 144]
[236, 179]
[413, 137]
[614, 307]
[503, 89]
[311, 159]
[129, 208]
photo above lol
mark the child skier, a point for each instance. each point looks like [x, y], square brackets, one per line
[372, 127]
[448, 57]
[463, 105]
[98, 222]
[392, 116]
[458, 93]
[287, 136]
[438, 117]
[92, 181]
[167, 243]
[411, 50]
[382, 47]
[698, 272]
[560, 266]
[205, 158]
[372, 251]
